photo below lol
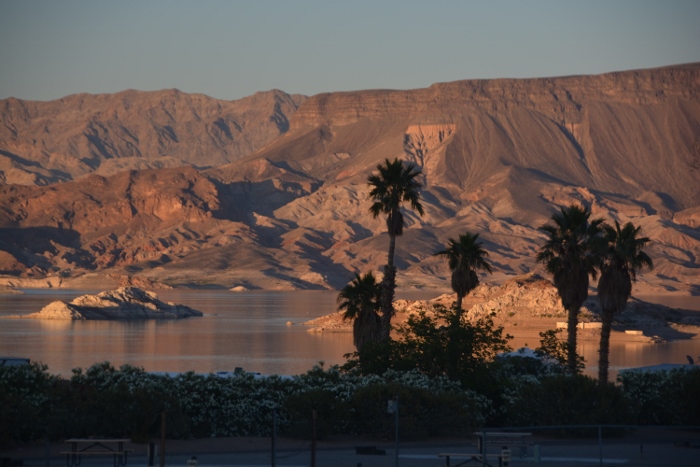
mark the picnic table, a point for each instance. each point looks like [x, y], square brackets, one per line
[476, 457]
[96, 447]
[485, 438]
[501, 438]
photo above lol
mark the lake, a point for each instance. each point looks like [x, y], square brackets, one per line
[247, 330]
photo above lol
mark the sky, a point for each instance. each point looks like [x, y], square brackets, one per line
[231, 49]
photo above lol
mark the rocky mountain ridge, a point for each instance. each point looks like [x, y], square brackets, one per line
[498, 157]
[561, 98]
[64, 139]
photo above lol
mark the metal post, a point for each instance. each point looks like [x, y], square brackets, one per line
[162, 439]
[600, 443]
[313, 438]
[151, 455]
[483, 449]
[396, 417]
[273, 460]
[505, 456]
[47, 451]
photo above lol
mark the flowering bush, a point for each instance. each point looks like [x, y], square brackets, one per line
[25, 397]
[104, 401]
[568, 400]
[351, 403]
[111, 402]
[663, 397]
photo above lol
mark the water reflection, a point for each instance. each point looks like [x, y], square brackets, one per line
[246, 330]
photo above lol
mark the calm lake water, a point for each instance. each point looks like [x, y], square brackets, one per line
[246, 330]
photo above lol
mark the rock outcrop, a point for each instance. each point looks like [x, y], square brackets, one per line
[125, 303]
[530, 301]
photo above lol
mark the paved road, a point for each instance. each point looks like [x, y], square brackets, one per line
[645, 448]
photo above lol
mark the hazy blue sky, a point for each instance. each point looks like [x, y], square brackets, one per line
[231, 49]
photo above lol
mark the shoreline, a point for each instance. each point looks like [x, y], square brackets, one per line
[527, 305]
[650, 335]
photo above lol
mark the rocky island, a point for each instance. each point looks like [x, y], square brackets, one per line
[124, 303]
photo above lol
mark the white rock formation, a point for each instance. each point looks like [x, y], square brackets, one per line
[122, 303]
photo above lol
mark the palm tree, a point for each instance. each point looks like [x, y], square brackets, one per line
[360, 300]
[623, 259]
[395, 184]
[572, 252]
[465, 256]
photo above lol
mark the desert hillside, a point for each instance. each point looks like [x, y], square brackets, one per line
[61, 140]
[498, 156]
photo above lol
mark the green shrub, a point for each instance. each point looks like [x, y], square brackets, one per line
[118, 403]
[27, 401]
[333, 415]
[422, 412]
[663, 397]
[104, 401]
[568, 400]
[442, 343]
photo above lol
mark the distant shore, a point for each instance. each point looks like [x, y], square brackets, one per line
[527, 305]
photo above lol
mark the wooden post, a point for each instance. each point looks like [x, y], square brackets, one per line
[162, 439]
[47, 451]
[273, 456]
[313, 438]
[396, 415]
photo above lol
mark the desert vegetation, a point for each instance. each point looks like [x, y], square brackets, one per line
[105, 401]
[394, 185]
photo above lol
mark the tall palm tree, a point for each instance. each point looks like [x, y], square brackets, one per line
[624, 257]
[465, 256]
[572, 252]
[360, 300]
[394, 185]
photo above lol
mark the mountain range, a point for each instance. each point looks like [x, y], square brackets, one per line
[270, 192]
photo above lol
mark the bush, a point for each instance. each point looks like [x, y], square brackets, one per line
[117, 403]
[441, 343]
[27, 401]
[568, 400]
[663, 397]
[127, 402]
[333, 415]
[422, 412]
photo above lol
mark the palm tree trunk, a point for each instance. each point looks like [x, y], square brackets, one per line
[392, 247]
[459, 304]
[572, 328]
[388, 288]
[604, 351]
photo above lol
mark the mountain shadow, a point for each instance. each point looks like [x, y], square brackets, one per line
[38, 246]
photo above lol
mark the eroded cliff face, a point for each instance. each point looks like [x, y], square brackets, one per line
[561, 99]
[61, 140]
[498, 157]
[617, 132]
